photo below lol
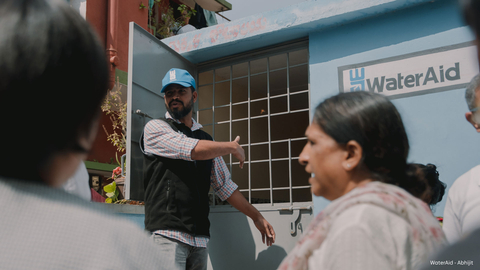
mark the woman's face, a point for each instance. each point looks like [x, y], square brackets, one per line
[323, 157]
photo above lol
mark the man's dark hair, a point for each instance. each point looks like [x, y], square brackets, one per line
[178, 85]
[54, 78]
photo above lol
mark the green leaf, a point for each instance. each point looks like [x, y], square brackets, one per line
[110, 187]
[108, 200]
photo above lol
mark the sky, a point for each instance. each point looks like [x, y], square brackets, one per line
[244, 8]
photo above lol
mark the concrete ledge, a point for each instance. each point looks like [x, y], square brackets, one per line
[140, 209]
[277, 26]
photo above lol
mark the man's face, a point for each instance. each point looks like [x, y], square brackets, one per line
[179, 100]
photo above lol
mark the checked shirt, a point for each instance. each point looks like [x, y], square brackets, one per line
[161, 140]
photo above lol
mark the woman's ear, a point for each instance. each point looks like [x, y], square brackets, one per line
[353, 155]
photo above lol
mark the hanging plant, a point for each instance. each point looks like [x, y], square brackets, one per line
[116, 109]
[166, 24]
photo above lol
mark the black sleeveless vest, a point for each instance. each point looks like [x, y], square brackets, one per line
[176, 190]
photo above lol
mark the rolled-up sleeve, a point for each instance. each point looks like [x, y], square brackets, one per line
[161, 140]
[220, 180]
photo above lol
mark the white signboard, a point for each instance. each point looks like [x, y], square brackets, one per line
[419, 73]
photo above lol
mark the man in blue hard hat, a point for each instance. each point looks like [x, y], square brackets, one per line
[182, 162]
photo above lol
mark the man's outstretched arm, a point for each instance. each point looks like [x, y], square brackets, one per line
[206, 149]
[162, 140]
[240, 203]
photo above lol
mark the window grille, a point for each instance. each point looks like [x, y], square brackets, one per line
[266, 102]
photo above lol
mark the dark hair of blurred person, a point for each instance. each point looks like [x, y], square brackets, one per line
[54, 77]
[471, 11]
[431, 176]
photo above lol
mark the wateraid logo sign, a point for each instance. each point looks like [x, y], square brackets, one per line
[357, 79]
[420, 73]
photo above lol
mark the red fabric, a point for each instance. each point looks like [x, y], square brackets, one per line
[96, 197]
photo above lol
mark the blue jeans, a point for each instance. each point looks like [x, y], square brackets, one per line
[179, 256]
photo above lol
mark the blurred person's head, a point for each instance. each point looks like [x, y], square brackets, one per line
[430, 174]
[473, 102]
[471, 13]
[357, 137]
[54, 78]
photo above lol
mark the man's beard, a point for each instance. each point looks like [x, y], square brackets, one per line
[180, 113]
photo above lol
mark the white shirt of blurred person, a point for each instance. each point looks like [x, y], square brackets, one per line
[78, 185]
[462, 210]
[357, 154]
[54, 66]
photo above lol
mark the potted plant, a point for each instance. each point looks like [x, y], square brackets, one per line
[116, 109]
[163, 20]
[114, 192]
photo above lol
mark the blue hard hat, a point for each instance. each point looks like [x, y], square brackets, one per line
[178, 76]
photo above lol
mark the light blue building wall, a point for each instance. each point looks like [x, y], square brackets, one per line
[348, 32]
[435, 122]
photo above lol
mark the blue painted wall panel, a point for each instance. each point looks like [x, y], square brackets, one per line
[435, 123]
